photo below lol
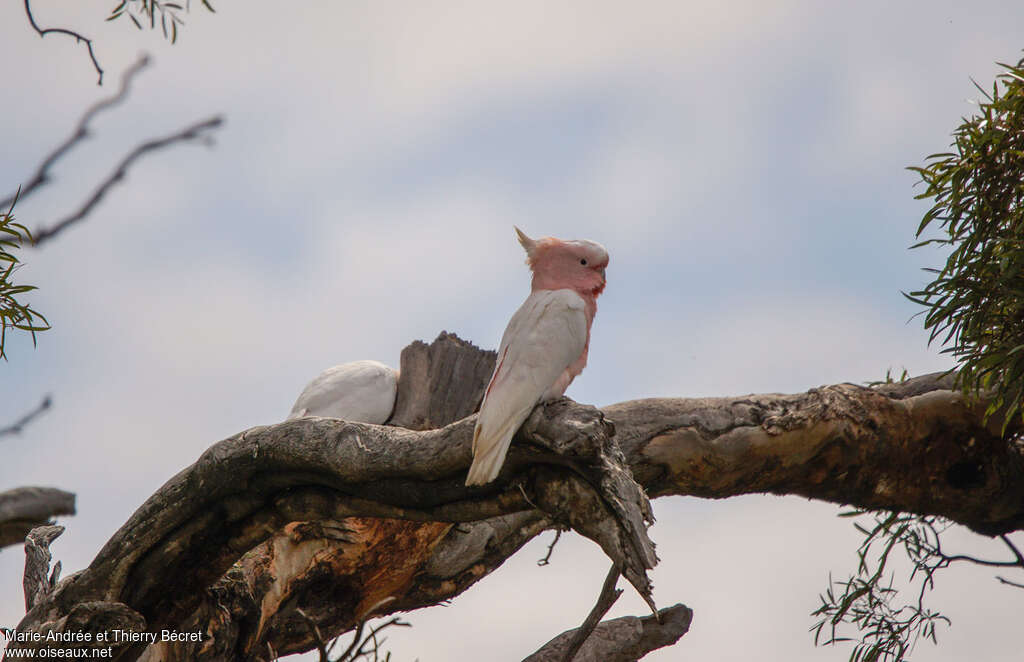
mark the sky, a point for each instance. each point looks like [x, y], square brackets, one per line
[743, 163]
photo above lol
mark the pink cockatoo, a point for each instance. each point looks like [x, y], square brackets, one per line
[544, 345]
[360, 391]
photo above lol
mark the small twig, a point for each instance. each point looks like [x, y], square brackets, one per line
[609, 594]
[986, 562]
[1008, 582]
[17, 426]
[355, 641]
[523, 492]
[1013, 548]
[42, 173]
[547, 557]
[321, 647]
[396, 621]
[70, 33]
[193, 132]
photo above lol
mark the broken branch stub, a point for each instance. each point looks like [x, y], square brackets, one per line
[624, 639]
[599, 499]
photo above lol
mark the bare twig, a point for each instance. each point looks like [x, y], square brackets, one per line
[1013, 548]
[547, 557]
[356, 639]
[42, 173]
[609, 594]
[362, 651]
[17, 426]
[321, 647]
[360, 647]
[194, 132]
[1003, 580]
[70, 33]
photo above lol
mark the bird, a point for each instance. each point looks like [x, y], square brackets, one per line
[360, 391]
[544, 347]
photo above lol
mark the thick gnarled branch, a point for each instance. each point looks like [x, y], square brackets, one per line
[916, 446]
[912, 446]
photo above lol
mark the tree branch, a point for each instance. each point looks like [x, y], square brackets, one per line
[17, 426]
[916, 446]
[24, 508]
[609, 594]
[82, 131]
[194, 132]
[70, 33]
[625, 639]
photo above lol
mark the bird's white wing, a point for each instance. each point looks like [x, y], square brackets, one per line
[545, 336]
[362, 391]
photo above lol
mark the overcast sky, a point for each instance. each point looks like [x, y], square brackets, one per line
[744, 164]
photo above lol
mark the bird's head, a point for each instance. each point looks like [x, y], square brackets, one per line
[578, 264]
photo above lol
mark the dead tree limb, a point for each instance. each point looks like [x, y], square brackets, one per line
[24, 508]
[609, 594]
[914, 446]
[39, 581]
[625, 639]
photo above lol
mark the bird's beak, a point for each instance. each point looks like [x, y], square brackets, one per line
[603, 279]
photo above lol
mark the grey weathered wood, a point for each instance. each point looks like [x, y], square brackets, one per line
[916, 446]
[599, 499]
[441, 382]
[24, 508]
[37, 581]
[449, 366]
[625, 639]
[609, 594]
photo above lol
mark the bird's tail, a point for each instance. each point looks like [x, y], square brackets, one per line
[489, 455]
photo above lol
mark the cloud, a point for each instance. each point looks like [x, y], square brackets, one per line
[742, 163]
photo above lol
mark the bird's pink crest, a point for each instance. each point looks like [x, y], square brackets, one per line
[557, 264]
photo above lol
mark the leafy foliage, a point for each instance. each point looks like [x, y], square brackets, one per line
[13, 313]
[868, 599]
[975, 303]
[149, 12]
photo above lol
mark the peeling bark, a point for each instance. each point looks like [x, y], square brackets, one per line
[916, 446]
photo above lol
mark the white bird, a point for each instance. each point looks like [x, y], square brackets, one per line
[360, 391]
[544, 346]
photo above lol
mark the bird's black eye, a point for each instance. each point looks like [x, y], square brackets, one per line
[583, 261]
